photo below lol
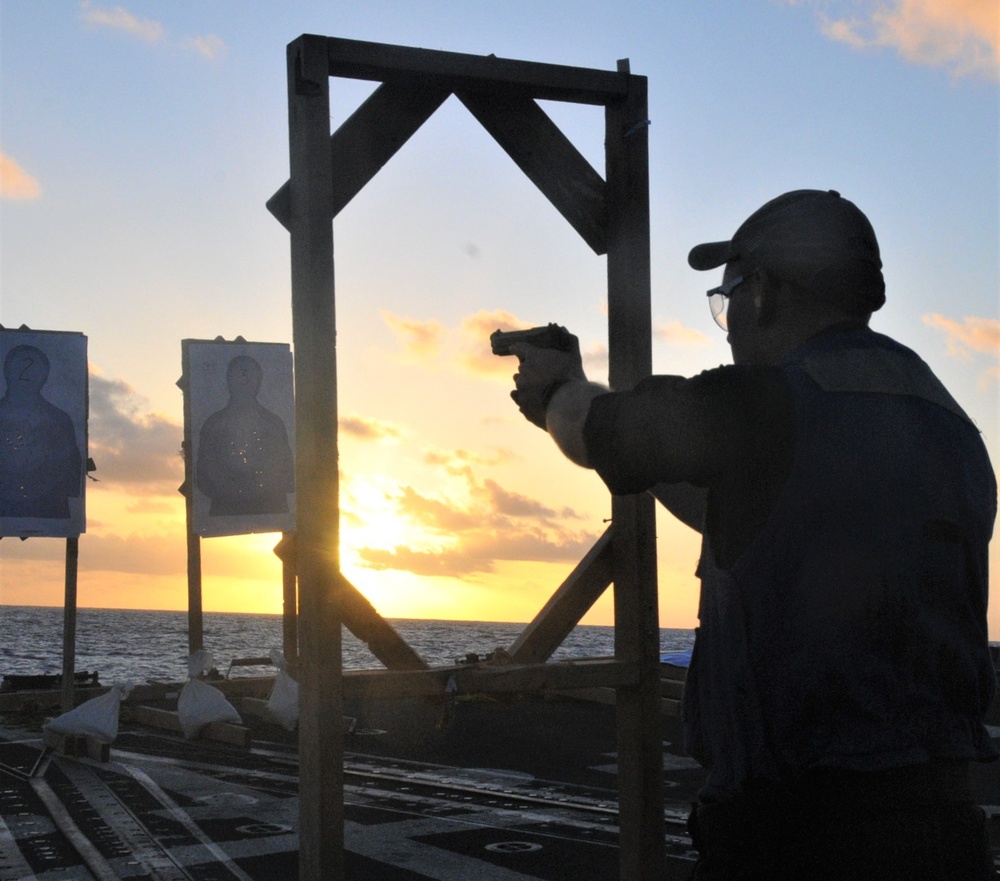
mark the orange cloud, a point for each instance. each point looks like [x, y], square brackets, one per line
[439, 515]
[142, 571]
[971, 335]
[421, 339]
[457, 462]
[369, 429]
[961, 35]
[475, 354]
[465, 536]
[469, 343]
[478, 555]
[160, 554]
[968, 337]
[15, 182]
[151, 506]
[511, 504]
[477, 357]
[467, 346]
[595, 362]
[676, 334]
[132, 448]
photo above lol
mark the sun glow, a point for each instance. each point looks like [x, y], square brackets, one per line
[368, 514]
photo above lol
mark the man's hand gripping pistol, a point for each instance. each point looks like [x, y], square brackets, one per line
[548, 358]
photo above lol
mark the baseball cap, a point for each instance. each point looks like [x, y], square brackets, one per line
[813, 238]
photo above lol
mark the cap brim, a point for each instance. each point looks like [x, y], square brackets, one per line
[710, 255]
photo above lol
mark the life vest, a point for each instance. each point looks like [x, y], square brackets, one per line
[852, 633]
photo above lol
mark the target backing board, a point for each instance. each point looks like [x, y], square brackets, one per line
[240, 429]
[43, 433]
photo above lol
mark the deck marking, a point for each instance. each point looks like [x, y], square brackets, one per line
[182, 817]
[394, 846]
[11, 858]
[148, 856]
[91, 856]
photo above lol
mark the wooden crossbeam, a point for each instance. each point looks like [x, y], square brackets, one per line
[594, 679]
[489, 679]
[547, 157]
[387, 684]
[455, 71]
[668, 706]
[169, 720]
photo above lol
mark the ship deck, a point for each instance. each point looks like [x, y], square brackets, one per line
[509, 790]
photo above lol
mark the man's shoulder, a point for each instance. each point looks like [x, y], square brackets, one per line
[724, 376]
[871, 363]
[738, 380]
[734, 399]
[851, 343]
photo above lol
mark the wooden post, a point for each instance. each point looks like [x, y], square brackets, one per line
[196, 635]
[640, 738]
[285, 549]
[69, 622]
[321, 746]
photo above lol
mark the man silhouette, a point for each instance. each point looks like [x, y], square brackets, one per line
[841, 672]
[244, 459]
[41, 468]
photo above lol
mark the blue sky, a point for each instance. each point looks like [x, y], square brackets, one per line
[140, 141]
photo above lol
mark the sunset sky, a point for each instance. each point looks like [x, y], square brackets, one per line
[139, 143]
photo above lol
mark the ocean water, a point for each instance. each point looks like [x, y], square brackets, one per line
[137, 646]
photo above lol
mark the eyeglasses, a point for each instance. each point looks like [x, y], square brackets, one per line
[718, 299]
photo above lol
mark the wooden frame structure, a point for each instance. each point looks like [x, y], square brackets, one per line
[612, 216]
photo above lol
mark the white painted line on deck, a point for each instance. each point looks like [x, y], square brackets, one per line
[12, 864]
[181, 816]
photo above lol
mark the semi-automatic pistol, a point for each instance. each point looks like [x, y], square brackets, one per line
[550, 336]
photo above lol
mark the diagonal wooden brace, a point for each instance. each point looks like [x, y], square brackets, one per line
[567, 605]
[367, 140]
[362, 619]
[547, 157]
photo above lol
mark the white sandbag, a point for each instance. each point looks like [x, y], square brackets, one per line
[97, 717]
[199, 703]
[284, 700]
[199, 662]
